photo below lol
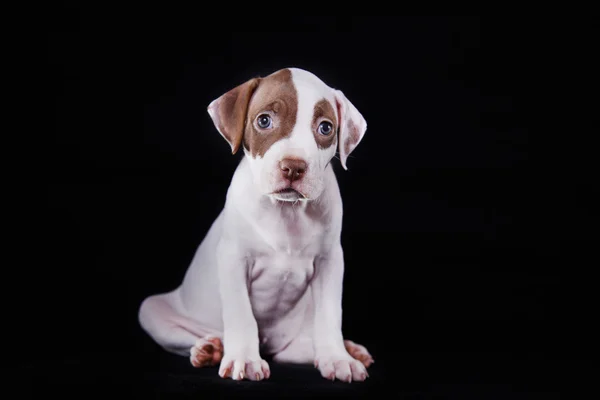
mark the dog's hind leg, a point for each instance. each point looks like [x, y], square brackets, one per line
[179, 334]
[359, 352]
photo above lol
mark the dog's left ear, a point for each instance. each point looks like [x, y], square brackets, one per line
[352, 126]
[229, 112]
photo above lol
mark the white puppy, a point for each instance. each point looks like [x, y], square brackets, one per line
[267, 279]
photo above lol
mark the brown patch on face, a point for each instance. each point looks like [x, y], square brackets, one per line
[324, 112]
[275, 96]
[353, 136]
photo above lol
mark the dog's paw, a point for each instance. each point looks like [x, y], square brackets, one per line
[242, 367]
[358, 352]
[342, 367]
[206, 352]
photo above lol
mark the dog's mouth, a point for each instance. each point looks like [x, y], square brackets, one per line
[288, 194]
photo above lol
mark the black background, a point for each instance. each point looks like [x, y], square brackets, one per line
[467, 269]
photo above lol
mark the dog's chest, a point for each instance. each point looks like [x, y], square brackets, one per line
[277, 283]
[287, 241]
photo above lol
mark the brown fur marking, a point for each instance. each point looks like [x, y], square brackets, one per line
[352, 138]
[276, 96]
[323, 111]
[230, 111]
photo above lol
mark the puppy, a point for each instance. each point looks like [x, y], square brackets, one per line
[267, 278]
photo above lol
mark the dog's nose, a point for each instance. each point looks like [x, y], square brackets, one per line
[292, 169]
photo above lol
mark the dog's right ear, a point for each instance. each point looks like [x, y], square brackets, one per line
[229, 112]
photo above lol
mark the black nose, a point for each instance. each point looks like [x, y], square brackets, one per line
[292, 168]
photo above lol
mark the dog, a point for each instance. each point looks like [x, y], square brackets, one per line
[267, 278]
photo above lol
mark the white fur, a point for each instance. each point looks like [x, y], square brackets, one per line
[268, 274]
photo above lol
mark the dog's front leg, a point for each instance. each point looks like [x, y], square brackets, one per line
[241, 358]
[331, 357]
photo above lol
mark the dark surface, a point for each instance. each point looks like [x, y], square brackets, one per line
[468, 263]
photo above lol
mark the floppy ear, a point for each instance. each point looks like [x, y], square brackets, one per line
[352, 126]
[229, 112]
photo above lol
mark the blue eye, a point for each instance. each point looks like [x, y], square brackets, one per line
[325, 128]
[264, 121]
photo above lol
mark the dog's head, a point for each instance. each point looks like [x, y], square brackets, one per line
[289, 124]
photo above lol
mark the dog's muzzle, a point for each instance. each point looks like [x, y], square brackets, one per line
[288, 194]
